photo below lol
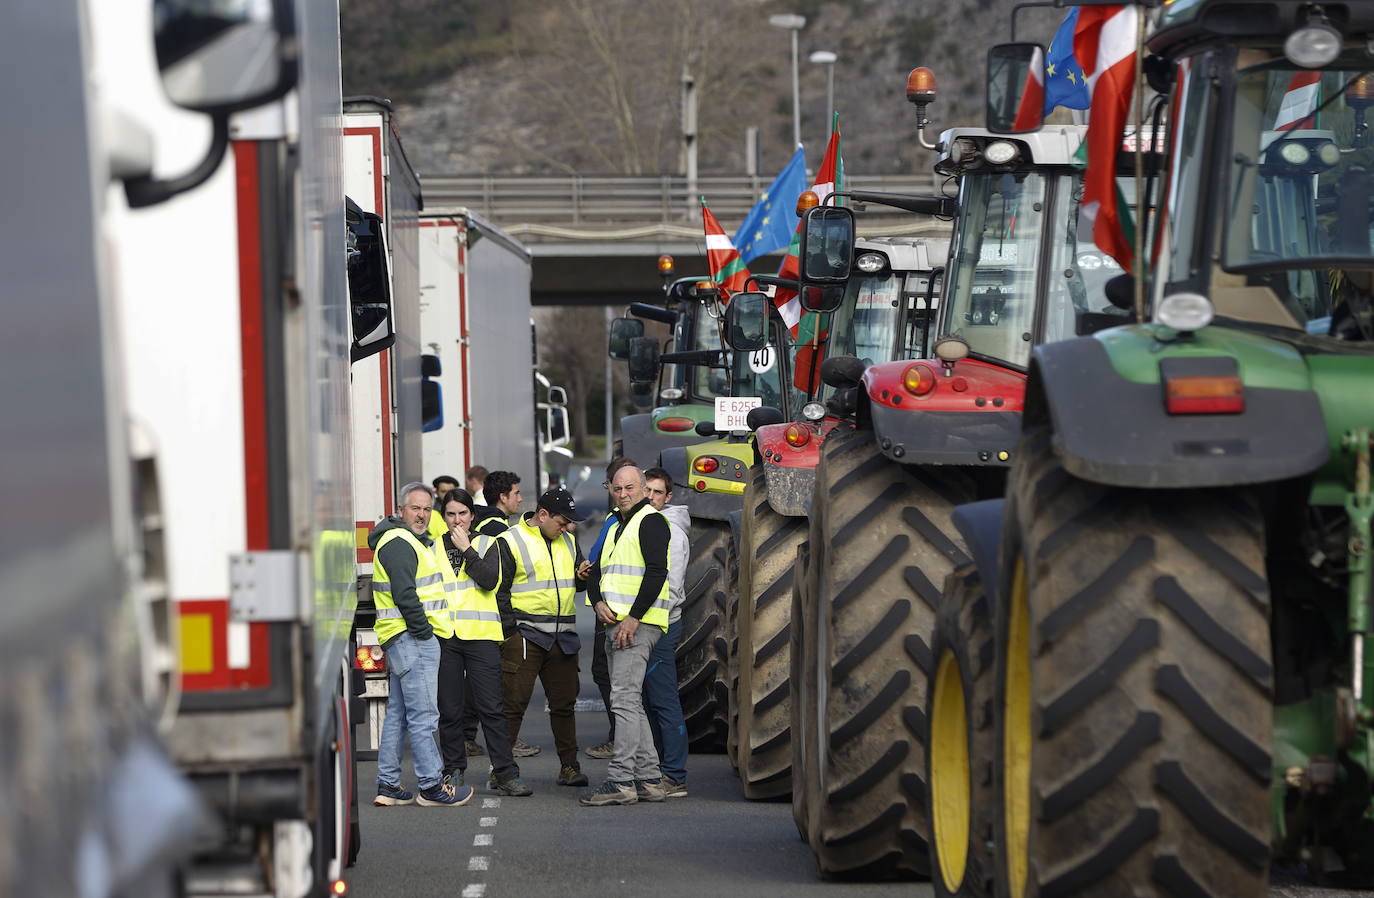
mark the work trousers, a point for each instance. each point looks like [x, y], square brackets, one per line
[665, 707]
[634, 758]
[601, 675]
[470, 710]
[472, 667]
[522, 662]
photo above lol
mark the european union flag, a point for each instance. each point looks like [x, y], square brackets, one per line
[770, 224]
[1064, 82]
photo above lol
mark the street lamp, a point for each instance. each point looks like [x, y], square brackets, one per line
[792, 23]
[827, 59]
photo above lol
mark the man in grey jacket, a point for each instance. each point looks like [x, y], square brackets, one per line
[660, 680]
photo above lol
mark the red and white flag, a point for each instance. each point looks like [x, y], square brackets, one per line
[727, 268]
[1299, 102]
[1031, 110]
[1104, 43]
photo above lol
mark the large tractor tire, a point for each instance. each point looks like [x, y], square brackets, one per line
[962, 733]
[701, 656]
[1134, 681]
[884, 544]
[768, 555]
[732, 651]
[802, 658]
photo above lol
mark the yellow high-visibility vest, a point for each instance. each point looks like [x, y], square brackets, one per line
[429, 587]
[544, 590]
[472, 610]
[622, 571]
[437, 525]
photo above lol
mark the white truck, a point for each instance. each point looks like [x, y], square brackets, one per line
[227, 347]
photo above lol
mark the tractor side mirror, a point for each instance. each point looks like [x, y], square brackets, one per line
[827, 256]
[746, 322]
[1016, 88]
[643, 359]
[642, 394]
[623, 330]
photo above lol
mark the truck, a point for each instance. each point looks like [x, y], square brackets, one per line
[223, 310]
[1178, 579]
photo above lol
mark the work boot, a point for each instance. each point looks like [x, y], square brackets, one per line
[672, 788]
[609, 792]
[522, 749]
[473, 749]
[571, 776]
[601, 752]
[391, 796]
[445, 795]
[514, 786]
[649, 790]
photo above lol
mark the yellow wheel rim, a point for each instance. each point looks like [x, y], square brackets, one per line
[949, 773]
[1016, 735]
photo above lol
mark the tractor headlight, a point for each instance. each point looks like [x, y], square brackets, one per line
[1313, 45]
[1000, 152]
[813, 411]
[870, 263]
[1294, 153]
[1185, 311]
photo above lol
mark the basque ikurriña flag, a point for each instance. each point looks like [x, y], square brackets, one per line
[727, 268]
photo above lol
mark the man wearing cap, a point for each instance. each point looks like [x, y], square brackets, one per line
[536, 596]
[629, 590]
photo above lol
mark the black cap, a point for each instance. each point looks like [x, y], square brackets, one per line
[559, 501]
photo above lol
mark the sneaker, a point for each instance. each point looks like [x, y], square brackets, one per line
[446, 795]
[601, 752]
[673, 789]
[571, 776]
[391, 796]
[609, 792]
[473, 749]
[513, 786]
[649, 790]
[522, 749]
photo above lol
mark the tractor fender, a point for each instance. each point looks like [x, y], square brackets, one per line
[714, 506]
[980, 524]
[1115, 430]
[643, 444]
[789, 470]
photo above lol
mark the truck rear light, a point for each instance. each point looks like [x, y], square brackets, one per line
[797, 435]
[1205, 395]
[705, 465]
[918, 380]
[370, 658]
[676, 424]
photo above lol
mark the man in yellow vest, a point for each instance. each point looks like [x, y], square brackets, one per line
[537, 597]
[408, 591]
[628, 587]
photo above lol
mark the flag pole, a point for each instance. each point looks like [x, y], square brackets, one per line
[1139, 250]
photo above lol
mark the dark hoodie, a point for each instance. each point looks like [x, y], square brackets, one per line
[401, 563]
[490, 520]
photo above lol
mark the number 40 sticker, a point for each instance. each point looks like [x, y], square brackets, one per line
[761, 361]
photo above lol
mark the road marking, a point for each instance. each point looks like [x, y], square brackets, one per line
[491, 802]
[487, 821]
[479, 862]
[481, 839]
[475, 890]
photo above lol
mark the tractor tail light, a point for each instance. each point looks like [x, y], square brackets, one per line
[797, 435]
[370, 658]
[676, 425]
[1204, 395]
[918, 379]
[705, 465]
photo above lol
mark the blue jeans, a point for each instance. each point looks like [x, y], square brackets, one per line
[412, 709]
[664, 707]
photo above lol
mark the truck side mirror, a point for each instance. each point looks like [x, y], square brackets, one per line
[827, 255]
[746, 322]
[369, 285]
[623, 330]
[1016, 88]
[431, 395]
[226, 56]
[558, 396]
[643, 359]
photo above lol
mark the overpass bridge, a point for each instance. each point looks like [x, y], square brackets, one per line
[595, 239]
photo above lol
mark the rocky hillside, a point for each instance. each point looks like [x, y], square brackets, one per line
[593, 86]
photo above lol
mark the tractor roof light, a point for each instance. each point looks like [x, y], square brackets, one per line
[807, 200]
[1314, 45]
[918, 379]
[665, 265]
[1185, 312]
[920, 86]
[870, 263]
[1329, 153]
[797, 435]
[1294, 153]
[813, 411]
[1000, 152]
[1360, 93]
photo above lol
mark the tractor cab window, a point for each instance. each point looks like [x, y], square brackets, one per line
[708, 382]
[1078, 271]
[991, 282]
[760, 373]
[865, 326]
[1300, 195]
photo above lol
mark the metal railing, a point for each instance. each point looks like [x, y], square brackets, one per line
[603, 201]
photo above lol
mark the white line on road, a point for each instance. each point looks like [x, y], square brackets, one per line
[475, 890]
[486, 821]
[479, 862]
[491, 802]
[481, 839]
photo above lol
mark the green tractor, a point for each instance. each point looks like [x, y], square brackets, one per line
[1153, 674]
